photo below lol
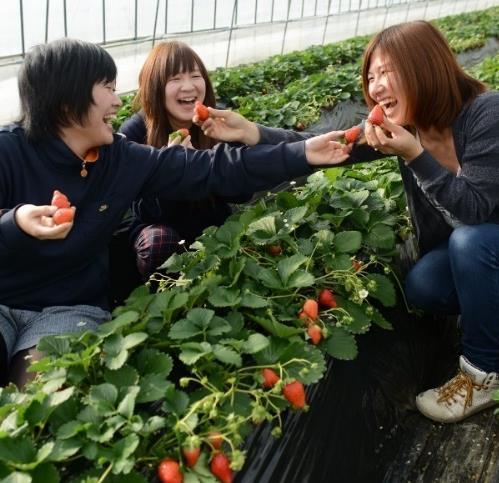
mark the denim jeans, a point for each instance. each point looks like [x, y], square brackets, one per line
[461, 276]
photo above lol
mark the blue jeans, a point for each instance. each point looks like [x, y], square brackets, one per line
[461, 276]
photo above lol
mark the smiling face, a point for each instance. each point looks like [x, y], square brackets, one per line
[97, 126]
[385, 88]
[181, 92]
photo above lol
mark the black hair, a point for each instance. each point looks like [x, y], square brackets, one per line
[55, 84]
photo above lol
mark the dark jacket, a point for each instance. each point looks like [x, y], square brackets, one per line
[188, 218]
[40, 273]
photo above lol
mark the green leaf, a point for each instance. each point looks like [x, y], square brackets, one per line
[173, 264]
[123, 320]
[269, 279]
[123, 377]
[153, 361]
[380, 320]
[341, 344]
[64, 449]
[155, 423]
[348, 241]
[227, 355]
[224, 297]
[55, 345]
[301, 278]
[17, 477]
[70, 429]
[127, 404]
[295, 215]
[263, 230]
[384, 291]
[255, 343]
[325, 237]
[275, 327]
[192, 352]
[361, 321]
[134, 339]
[152, 388]
[176, 401]
[289, 265]
[103, 397]
[17, 450]
[184, 329]
[253, 301]
[381, 236]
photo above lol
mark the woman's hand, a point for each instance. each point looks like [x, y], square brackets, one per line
[177, 140]
[326, 150]
[393, 139]
[37, 221]
[229, 126]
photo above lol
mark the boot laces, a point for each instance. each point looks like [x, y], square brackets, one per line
[455, 386]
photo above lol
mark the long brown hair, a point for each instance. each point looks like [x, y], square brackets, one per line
[165, 60]
[434, 83]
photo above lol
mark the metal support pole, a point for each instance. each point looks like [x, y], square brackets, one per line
[272, 12]
[358, 18]
[21, 11]
[302, 8]
[136, 22]
[256, 11]
[425, 9]
[103, 21]
[407, 11]
[315, 8]
[234, 13]
[285, 28]
[65, 20]
[192, 15]
[166, 17]
[327, 19]
[47, 9]
[215, 15]
[155, 23]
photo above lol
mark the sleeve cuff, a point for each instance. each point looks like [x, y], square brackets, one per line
[424, 166]
[12, 235]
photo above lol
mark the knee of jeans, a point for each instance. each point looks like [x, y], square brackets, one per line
[419, 291]
[464, 240]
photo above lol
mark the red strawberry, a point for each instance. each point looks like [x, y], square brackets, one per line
[191, 455]
[315, 333]
[311, 308]
[294, 392]
[216, 440]
[169, 471]
[220, 467]
[270, 378]
[60, 200]
[182, 133]
[326, 299]
[274, 250]
[351, 135]
[376, 115]
[63, 215]
[201, 111]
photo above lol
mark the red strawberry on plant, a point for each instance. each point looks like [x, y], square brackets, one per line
[356, 265]
[201, 111]
[220, 467]
[270, 378]
[326, 299]
[376, 115]
[274, 250]
[191, 455]
[351, 135]
[169, 471]
[215, 439]
[306, 319]
[294, 392]
[311, 308]
[315, 333]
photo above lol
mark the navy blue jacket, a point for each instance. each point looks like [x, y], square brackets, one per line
[188, 218]
[39, 273]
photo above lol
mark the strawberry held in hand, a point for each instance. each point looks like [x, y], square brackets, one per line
[376, 115]
[181, 133]
[351, 135]
[64, 213]
[201, 111]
